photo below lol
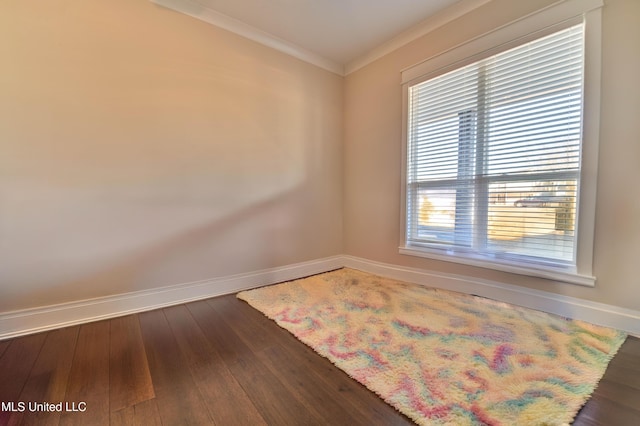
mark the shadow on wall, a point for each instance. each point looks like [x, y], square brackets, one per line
[65, 244]
[74, 238]
[90, 244]
[252, 235]
[142, 148]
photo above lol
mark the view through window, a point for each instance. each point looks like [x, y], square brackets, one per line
[493, 152]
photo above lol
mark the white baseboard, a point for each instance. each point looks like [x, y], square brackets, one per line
[596, 313]
[28, 321]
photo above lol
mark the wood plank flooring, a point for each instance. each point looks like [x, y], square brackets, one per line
[220, 362]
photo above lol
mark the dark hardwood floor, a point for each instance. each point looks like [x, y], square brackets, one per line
[220, 362]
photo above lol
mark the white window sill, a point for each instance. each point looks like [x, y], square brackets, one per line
[555, 274]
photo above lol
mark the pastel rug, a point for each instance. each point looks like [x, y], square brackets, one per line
[442, 357]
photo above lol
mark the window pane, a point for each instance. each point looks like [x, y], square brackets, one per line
[440, 109]
[536, 218]
[546, 136]
[436, 151]
[436, 215]
[445, 215]
[533, 101]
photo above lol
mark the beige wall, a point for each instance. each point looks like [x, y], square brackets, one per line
[372, 153]
[141, 148]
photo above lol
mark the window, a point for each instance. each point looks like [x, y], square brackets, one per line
[494, 157]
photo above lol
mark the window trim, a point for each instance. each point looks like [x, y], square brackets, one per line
[546, 21]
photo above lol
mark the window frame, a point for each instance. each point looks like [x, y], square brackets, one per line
[546, 21]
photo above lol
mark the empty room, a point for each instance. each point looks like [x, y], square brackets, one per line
[302, 212]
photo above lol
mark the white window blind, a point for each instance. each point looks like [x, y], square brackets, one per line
[494, 154]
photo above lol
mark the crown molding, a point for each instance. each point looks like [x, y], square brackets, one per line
[208, 15]
[430, 24]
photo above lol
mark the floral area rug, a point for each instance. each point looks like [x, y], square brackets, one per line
[442, 357]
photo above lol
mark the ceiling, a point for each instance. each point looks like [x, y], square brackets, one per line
[339, 35]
